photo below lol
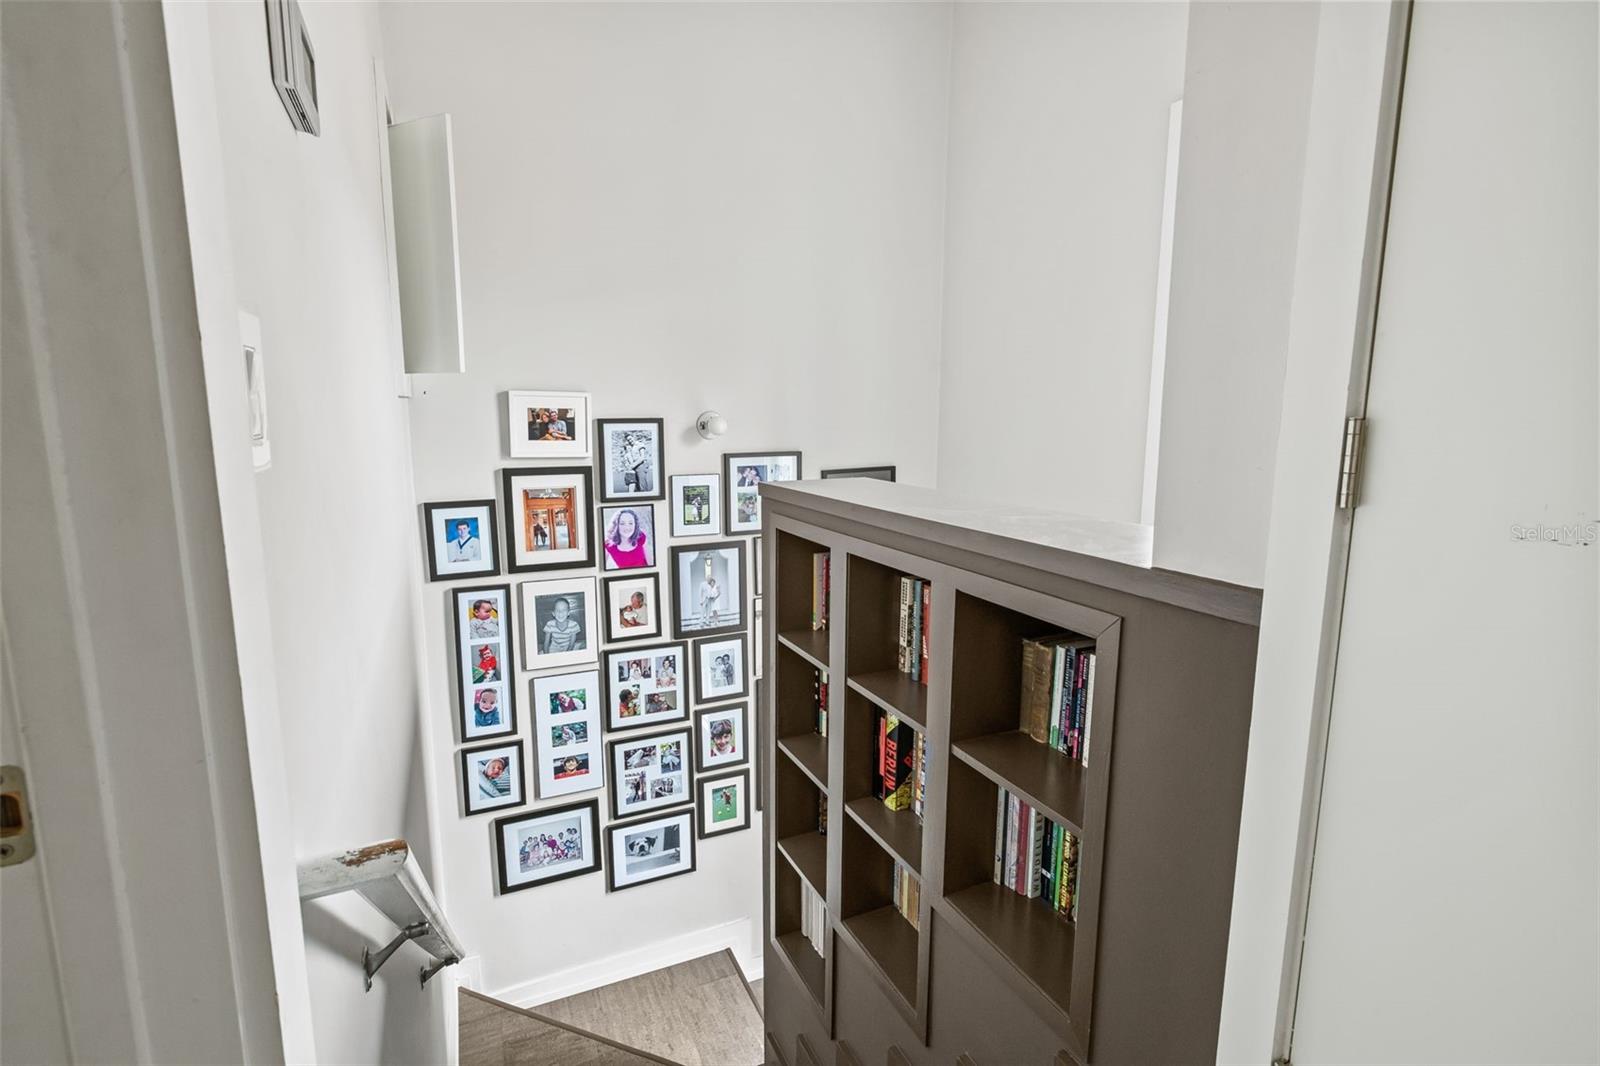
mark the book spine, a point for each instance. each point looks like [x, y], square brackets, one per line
[913, 627]
[913, 903]
[1047, 869]
[1032, 705]
[927, 615]
[897, 765]
[1057, 666]
[905, 625]
[1011, 842]
[1036, 855]
[1088, 712]
[827, 587]
[881, 725]
[1064, 697]
[999, 835]
[1079, 695]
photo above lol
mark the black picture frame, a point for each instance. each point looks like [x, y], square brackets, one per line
[613, 685]
[689, 841]
[730, 485]
[875, 472]
[466, 776]
[742, 565]
[586, 508]
[601, 463]
[489, 536]
[615, 779]
[701, 811]
[742, 710]
[653, 542]
[743, 640]
[630, 576]
[464, 683]
[758, 728]
[591, 806]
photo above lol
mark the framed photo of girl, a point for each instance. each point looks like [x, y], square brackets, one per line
[633, 607]
[724, 804]
[720, 671]
[558, 622]
[696, 510]
[708, 589]
[491, 777]
[646, 687]
[722, 736]
[485, 635]
[541, 424]
[628, 537]
[745, 473]
[631, 459]
[548, 512]
[566, 733]
[552, 844]
[461, 539]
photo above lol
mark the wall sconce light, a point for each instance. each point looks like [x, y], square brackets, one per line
[711, 425]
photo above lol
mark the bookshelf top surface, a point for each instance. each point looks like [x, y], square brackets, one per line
[1116, 554]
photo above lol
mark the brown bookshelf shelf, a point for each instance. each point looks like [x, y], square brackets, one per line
[1024, 932]
[897, 832]
[808, 854]
[1043, 777]
[896, 693]
[809, 751]
[890, 945]
[810, 644]
[806, 964]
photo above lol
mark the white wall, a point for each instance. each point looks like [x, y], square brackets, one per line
[1247, 92]
[673, 207]
[305, 224]
[1058, 142]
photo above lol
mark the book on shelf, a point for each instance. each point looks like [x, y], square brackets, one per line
[1057, 692]
[1035, 857]
[821, 578]
[915, 610]
[819, 690]
[919, 774]
[822, 815]
[907, 896]
[893, 774]
[814, 919]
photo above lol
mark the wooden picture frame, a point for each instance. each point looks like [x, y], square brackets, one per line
[706, 724]
[631, 450]
[481, 717]
[709, 804]
[529, 829]
[482, 523]
[549, 518]
[475, 801]
[711, 689]
[673, 830]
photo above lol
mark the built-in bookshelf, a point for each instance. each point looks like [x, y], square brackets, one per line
[958, 727]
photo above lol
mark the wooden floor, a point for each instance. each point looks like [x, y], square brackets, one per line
[698, 1013]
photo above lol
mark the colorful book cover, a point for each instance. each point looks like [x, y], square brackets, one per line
[1088, 712]
[898, 740]
[927, 615]
[904, 653]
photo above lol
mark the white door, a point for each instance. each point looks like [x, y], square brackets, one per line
[1453, 895]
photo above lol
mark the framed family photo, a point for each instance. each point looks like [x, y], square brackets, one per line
[724, 804]
[547, 425]
[485, 635]
[876, 473]
[491, 777]
[547, 518]
[696, 510]
[708, 588]
[628, 537]
[645, 687]
[745, 473]
[461, 539]
[721, 670]
[558, 622]
[566, 733]
[722, 736]
[631, 459]
[633, 607]
[651, 772]
[538, 847]
[651, 849]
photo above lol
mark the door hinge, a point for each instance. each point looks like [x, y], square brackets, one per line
[1350, 462]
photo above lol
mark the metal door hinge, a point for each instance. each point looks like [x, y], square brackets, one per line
[1350, 462]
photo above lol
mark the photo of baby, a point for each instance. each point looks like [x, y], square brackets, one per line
[485, 708]
[485, 619]
[631, 606]
[485, 659]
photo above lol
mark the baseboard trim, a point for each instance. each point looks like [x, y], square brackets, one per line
[733, 936]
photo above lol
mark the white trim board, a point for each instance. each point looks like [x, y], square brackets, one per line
[735, 936]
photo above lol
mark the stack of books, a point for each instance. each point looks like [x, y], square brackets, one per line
[814, 919]
[820, 579]
[916, 605]
[907, 895]
[1035, 857]
[1058, 693]
[819, 691]
[895, 777]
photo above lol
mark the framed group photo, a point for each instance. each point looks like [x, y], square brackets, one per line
[708, 588]
[696, 505]
[651, 849]
[650, 772]
[631, 460]
[566, 733]
[552, 844]
[547, 518]
[485, 635]
[724, 804]
[492, 777]
[645, 687]
[541, 424]
[633, 607]
[628, 537]
[461, 539]
[558, 622]
[722, 737]
[721, 668]
[744, 473]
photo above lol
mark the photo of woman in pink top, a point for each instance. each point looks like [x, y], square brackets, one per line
[628, 545]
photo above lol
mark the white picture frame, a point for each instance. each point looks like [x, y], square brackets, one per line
[523, 422]
[573, 634]
[567, 752]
